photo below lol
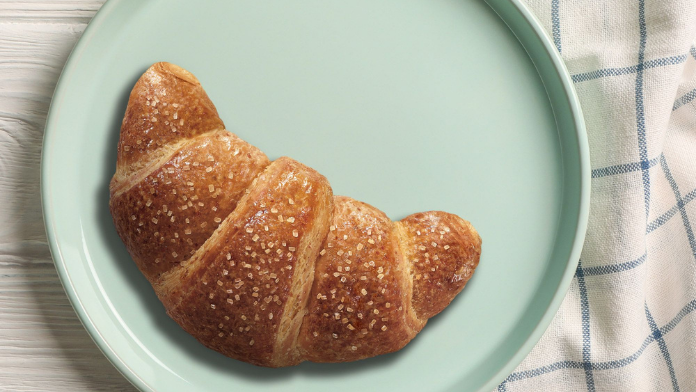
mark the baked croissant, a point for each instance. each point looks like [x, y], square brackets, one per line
[258, 260]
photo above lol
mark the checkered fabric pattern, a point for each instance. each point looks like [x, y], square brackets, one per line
[628, 322]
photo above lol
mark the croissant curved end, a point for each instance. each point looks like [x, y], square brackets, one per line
[176, 71]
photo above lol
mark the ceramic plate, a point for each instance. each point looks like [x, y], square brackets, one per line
[408, 105]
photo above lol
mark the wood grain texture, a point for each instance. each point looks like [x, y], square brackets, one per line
[43, 345]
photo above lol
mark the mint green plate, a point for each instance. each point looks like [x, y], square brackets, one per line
[408, 105]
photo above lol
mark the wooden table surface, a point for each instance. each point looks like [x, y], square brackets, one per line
[43, 346]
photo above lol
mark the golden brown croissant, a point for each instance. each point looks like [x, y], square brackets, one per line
[257, 259]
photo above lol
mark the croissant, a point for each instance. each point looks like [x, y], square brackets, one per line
[258, 260]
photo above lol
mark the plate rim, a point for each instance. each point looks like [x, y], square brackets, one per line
[566, 278]
[585, 188]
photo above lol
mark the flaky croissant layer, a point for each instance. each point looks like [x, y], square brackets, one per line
[259, 260]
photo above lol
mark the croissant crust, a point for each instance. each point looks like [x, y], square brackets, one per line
[258, 260]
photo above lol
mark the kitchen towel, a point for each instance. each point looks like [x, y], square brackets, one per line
[628, 322]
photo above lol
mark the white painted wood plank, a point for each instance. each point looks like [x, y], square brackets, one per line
[43, 346]
[42, 11]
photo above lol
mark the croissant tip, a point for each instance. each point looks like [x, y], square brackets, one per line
[174, 70]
